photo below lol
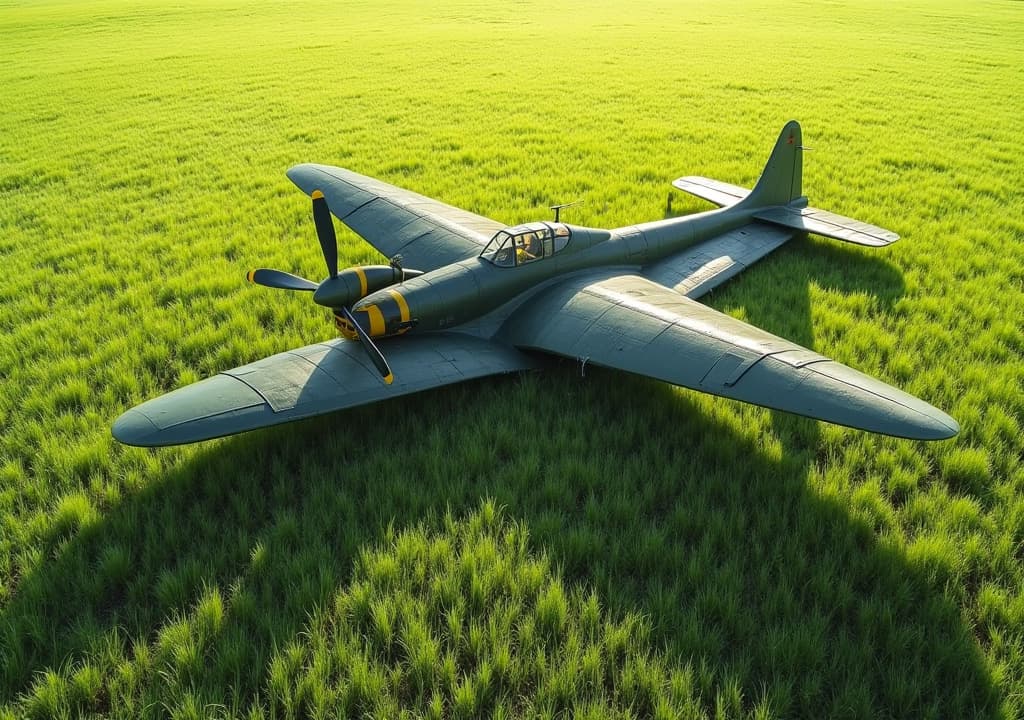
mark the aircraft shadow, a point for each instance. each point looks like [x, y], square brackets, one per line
[735, 560]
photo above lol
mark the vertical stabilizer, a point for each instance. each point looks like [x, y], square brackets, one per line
[781, 180]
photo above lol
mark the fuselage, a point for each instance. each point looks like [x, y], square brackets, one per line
[469, 289]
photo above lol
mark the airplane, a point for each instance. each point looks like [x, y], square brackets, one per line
[466, 297]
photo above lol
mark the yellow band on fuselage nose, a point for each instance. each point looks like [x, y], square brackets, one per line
[376, 318]
[403, 306]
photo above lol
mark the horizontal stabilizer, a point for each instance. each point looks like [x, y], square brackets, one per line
[828, 225]
[714, 191]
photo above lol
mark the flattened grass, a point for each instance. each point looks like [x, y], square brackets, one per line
[736, 561]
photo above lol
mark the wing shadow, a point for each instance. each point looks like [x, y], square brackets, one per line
[626, 482]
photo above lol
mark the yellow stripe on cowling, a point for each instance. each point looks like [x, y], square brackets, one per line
[362, 280]
[317, 195]
[376, 320]
[403, 306]
[249, 275]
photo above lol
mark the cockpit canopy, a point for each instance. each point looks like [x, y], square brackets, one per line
[524, 244]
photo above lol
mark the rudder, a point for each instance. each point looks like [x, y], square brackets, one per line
[781, 181]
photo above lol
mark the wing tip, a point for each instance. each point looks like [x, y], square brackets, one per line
[861, 401]
[940, 426]
[134, 428]
[306, 176]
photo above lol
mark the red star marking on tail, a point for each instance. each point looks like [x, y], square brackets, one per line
[790, 141]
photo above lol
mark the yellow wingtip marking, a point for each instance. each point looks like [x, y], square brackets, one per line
[317, 194]
[249, 275]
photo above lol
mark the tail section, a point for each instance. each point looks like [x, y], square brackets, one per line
[778, 198]
[781, 181]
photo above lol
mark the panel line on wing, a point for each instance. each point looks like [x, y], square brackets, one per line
[426, 232]
[356, 209]
[706, 350]
[699, 268]
[240, 377]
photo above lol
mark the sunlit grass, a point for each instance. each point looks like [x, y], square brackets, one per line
[659, 553]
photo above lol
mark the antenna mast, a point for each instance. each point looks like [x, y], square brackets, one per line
[558, 209]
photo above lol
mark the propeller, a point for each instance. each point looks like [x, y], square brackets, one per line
[376, 356]
[329, 245]
[325, 232]
[280, 279]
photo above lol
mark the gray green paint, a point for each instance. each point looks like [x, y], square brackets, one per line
[622, 298]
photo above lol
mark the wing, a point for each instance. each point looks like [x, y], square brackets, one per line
[706, 265]
[310, 381]
[630, 323]
[427, 234]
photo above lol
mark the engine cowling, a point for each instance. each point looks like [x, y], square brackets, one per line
[355, 283]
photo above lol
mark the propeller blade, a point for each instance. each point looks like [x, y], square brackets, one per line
[279, 279]
[371, 349]
[325, 232]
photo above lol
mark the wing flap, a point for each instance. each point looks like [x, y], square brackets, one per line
[632, 324]
[715, 191]
[826, 224]
[310, 381]
[427, 233]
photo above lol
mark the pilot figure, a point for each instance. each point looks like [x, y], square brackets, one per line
[527, 248]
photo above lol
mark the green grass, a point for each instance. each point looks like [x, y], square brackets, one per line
[639, 550]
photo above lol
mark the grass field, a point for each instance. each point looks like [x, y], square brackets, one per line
[663, 553]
